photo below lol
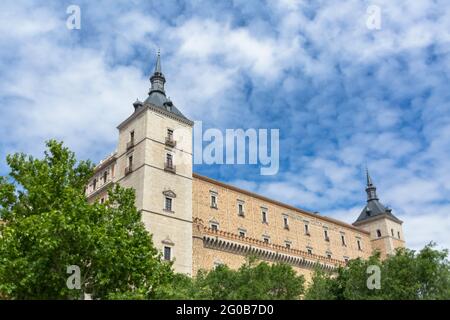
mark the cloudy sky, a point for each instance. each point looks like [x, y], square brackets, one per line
[343, 95]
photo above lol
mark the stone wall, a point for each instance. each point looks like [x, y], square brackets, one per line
[230, 225]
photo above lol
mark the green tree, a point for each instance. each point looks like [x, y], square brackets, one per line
[253, 280]
[49, 225]
[322, 287]
[406, 275]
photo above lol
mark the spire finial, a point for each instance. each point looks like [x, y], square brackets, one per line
[158, 62]
[157, 79]
[369, 180]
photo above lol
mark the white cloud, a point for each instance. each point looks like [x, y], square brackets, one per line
[306, 72]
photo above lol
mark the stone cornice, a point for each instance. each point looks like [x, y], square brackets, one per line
[149, 106]
[374, 218]
[230, 242]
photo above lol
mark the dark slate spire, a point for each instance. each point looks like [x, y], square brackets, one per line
[157, 79]
[157, 94]
[371, 190]
[373, 207]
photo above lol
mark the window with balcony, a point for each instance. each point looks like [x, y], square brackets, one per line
[169, 166]
[169, 138]
[129, 168]
[130, 144]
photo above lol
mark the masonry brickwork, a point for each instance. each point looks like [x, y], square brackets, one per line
[199, 222]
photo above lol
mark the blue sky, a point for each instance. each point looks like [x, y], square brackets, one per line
[341, 94]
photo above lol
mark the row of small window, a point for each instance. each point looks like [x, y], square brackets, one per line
[242, 233]
[104, 179]
[169, 139]
[379, 234]
[240, 208]
[264, 219]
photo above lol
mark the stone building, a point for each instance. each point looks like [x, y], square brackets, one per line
[199, 222]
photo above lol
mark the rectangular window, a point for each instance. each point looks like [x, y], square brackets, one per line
[306, 229]
[329, 255]
[241, 209]
[288, 244]
[378, 233]
[325, 233]
[266, 239]
[105, 176]
[169, 160]
[264, 216]
[343, 240]
[130, 162]
[102, 200]
[392, 232]
[213, 201]
[242, 233]
[170, 134]
[286, 222]
[346, 259]
[94, 184]
[167, 253]
[398, 233]
[309, 250]
[130, 144]
[168, 204]
[214, 226]
[359, 245]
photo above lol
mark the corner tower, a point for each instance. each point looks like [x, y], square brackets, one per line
[154, 156]
[385, 229]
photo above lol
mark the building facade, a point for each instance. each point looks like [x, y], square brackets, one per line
[199, 222]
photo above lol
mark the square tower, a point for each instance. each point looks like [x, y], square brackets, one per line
[154, 156]
[386, 232]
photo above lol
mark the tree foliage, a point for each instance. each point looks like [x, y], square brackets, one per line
[406, 275]
[49, 225]
[253, 280]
